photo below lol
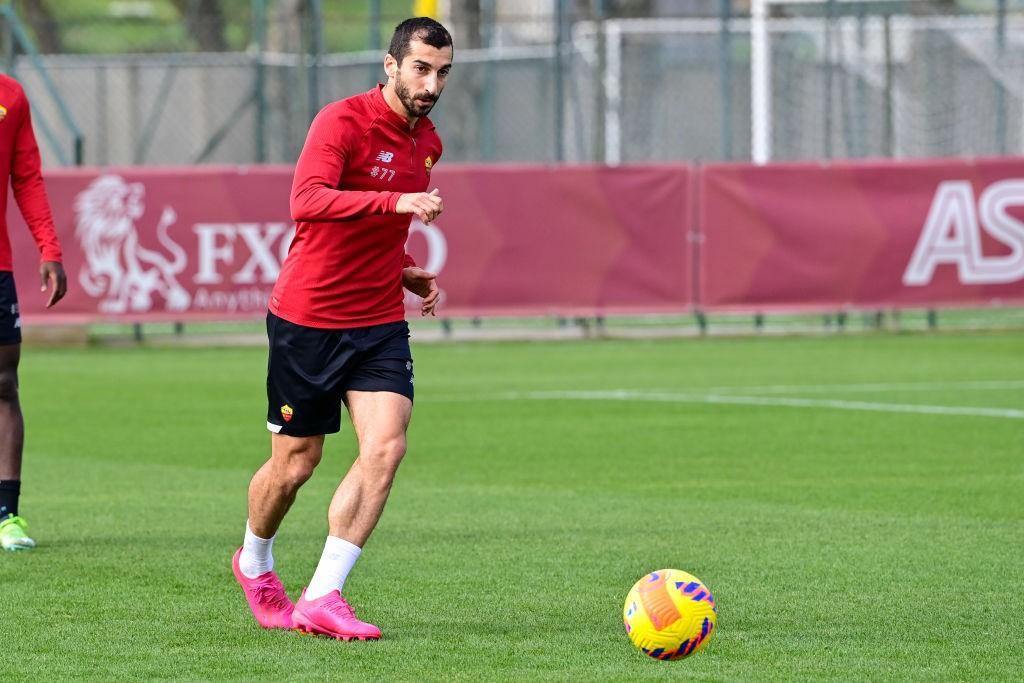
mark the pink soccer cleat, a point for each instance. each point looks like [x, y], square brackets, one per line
[331, 616]
[267, 599]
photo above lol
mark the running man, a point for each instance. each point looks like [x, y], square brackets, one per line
[19, 167]
[337, 327]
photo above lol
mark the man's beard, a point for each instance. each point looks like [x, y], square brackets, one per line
[408, 100]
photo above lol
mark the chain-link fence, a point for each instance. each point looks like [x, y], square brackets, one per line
[539, 80]
[867, 86]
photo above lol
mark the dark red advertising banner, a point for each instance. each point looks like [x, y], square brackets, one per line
[184, 243]
[568, 240]
[862, 235]
[146, 244]
[188, 243]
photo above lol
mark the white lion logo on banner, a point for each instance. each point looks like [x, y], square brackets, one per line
[117, 266]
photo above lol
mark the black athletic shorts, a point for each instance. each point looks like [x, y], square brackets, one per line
[310, 369]
[10, 320]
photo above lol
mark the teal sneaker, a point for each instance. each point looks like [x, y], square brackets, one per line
[13, 536]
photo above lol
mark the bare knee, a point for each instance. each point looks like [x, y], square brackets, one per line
[381, 461]
[295, 464]
[8, 386]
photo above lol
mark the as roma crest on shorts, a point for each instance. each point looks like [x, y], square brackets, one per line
[3, 115]
[428, 163]
[287, 412]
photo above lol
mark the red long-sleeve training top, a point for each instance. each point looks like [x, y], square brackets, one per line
[344, 267]
[20, 166]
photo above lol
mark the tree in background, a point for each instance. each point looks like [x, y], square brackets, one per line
[590, 9]
[465, 23]
[39, 16]
[285, 34]
[204, 20]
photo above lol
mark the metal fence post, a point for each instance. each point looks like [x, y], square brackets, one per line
[1000, 127]
[374, 42]
[316, 15]
[560, 21]
[860, 124]
[8, 45]
[373, 71]
[600, 94]
[259, 34]
[725, 74]
[487, 109]
[829, 20]
[889, 133]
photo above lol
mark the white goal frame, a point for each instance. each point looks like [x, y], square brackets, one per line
[761, 72]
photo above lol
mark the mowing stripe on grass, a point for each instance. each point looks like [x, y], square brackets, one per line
[625, 395]
[985, 385]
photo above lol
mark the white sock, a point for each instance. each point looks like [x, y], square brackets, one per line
[256, 557]
[336, 562]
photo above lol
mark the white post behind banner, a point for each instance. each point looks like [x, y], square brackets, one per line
[760, 84]
[613, 94]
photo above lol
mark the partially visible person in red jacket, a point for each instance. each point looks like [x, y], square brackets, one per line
[19, 166]
[337, 325]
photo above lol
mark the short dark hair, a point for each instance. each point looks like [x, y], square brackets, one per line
[419, 28]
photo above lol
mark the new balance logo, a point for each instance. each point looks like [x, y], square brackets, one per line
[386, 157]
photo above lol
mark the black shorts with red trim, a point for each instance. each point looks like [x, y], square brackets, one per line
[310, 369]
[10, 318]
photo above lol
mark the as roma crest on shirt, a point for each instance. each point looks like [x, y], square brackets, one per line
[3, 115]
[429, 164]
[287, 412]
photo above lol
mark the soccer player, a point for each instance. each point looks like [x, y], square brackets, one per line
[19, 166]
[337, 327]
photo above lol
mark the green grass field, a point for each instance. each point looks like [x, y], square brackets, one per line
[856, 504]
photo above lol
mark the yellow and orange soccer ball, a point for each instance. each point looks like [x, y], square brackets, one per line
[669, 614]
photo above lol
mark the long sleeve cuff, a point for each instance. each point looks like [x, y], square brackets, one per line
[51, 254]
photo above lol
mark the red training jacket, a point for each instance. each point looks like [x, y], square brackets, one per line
[344, 267]
[20, 166]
